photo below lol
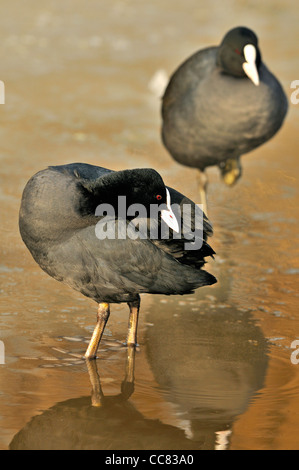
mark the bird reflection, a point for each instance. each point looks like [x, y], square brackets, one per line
[100, 422]
[210, 367]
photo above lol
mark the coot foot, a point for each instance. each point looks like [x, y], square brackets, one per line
[231, 171]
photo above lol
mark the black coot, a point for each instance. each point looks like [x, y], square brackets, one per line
[67, 224]
[221, 103]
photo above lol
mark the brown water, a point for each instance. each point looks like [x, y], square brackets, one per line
[213, 370]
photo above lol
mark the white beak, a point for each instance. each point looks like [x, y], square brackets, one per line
[168, 216]
[249, 66]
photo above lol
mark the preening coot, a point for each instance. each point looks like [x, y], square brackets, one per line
[219, 104]
[59, 224]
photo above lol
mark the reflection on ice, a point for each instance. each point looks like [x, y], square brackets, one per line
[99, 422]
[210, 367]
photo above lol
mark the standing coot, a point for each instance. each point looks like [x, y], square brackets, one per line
[221, 103]
[59, 223]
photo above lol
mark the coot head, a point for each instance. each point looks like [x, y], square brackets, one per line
[142, 186]
[239, 54]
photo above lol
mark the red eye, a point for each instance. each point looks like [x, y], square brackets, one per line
[237, 51]
[158, 197]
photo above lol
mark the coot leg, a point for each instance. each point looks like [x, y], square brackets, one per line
[102, 318]
[133, 321]
[203, 186]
